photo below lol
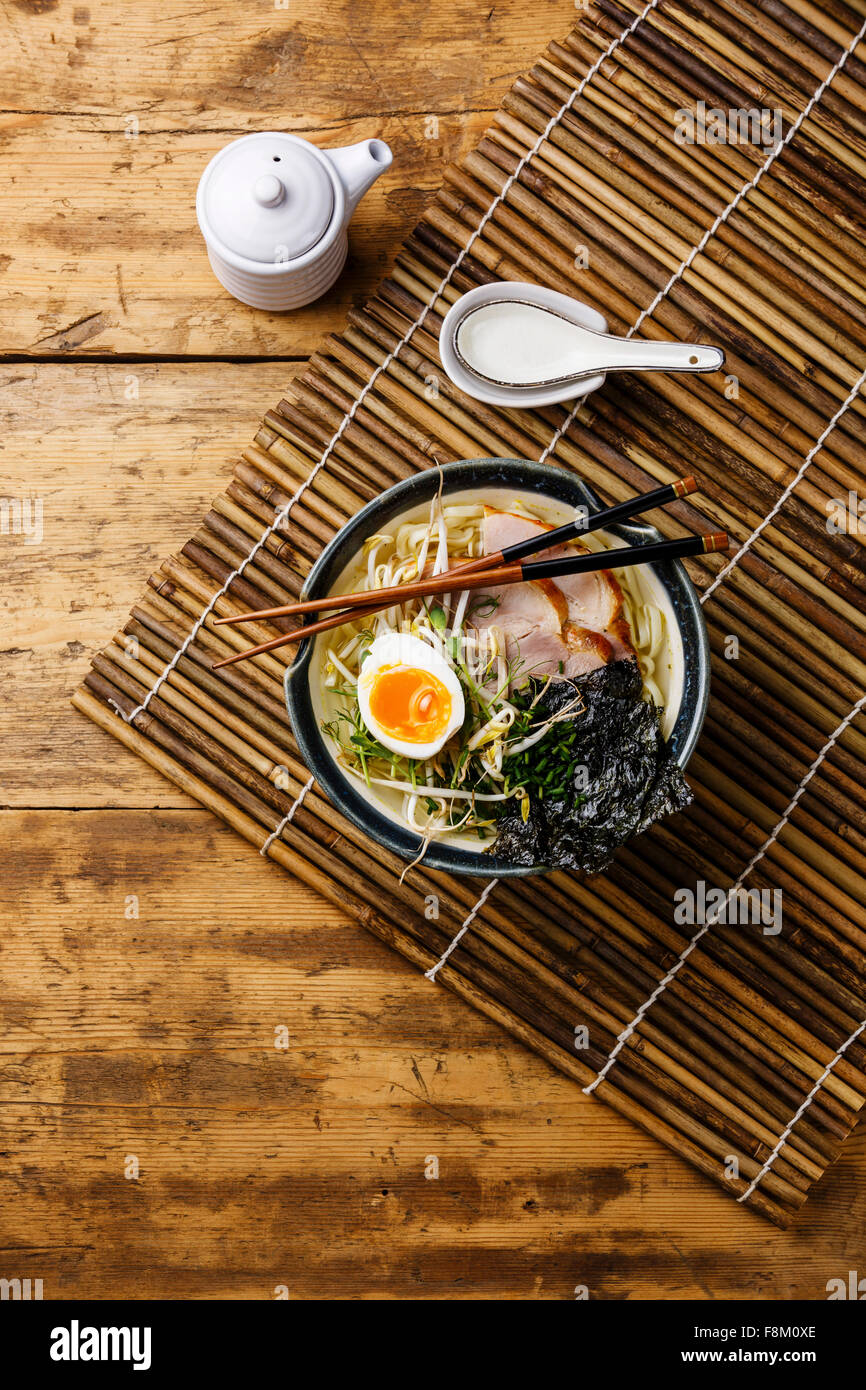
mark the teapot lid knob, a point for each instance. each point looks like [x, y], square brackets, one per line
[269, 191]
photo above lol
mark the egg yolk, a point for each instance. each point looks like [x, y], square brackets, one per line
[410, 704]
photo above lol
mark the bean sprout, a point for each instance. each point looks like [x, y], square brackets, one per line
[448, 793]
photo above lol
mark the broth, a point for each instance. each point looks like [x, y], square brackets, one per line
[335, 662]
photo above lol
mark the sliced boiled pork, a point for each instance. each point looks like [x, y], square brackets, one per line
[567, 627]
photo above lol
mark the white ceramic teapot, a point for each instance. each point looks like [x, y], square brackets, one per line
[274, 211]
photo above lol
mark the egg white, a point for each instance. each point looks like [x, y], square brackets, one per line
[402, 649]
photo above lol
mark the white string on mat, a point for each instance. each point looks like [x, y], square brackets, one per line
[434, 969]
[819, 443]
[283, 514]
[644, 314]
[713, 916]
[554, 120]
[803, 1108]
[288, 817]
[710, 233]
[771, 839]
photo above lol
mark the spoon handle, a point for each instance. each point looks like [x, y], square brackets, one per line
[642, 355]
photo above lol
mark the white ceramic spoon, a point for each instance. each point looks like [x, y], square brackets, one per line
[514, 343]
[534, 347]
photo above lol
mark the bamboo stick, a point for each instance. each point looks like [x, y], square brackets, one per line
[649, 88]
[421, 369]
[848, 635]
[689, 51]
[691, 1129]
[136, 692]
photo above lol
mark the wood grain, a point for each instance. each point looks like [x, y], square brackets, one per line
[154, 1037]
[108, 118]
[311, 62]
[122, 481]
[121, 267]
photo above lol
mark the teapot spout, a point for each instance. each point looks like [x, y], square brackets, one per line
[358, 167]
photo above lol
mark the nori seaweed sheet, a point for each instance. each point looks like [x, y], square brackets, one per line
[631, 779]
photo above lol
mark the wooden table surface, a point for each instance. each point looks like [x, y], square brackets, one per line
[158, 1138]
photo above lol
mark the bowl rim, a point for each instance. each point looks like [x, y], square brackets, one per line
[550, 481]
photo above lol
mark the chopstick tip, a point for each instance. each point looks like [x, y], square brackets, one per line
[685, 486]
[717, 541]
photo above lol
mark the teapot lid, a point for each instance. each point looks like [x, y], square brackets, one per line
[266, 197]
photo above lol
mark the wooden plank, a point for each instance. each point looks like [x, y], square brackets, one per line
[122, 482]
[154, 1037]
[310, 62]
[122, 267]
[306, 1165]
[101, 249]
[756, 995]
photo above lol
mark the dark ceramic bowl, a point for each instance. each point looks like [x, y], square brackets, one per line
[517, 474]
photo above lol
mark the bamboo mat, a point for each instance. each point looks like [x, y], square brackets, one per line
[744, 1052]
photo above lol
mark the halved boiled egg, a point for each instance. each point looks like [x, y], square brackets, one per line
[408, 695]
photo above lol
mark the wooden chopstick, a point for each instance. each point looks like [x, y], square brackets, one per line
[505, 574]
[562, 535]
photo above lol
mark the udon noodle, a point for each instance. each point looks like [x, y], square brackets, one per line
[458, 793]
